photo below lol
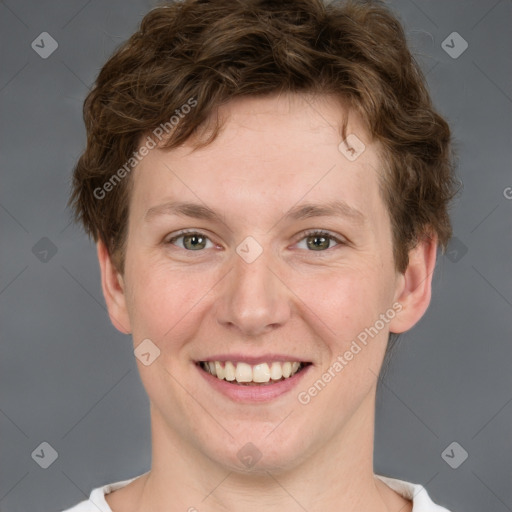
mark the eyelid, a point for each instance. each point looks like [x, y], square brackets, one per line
[187, 231]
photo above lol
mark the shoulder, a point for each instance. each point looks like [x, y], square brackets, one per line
[421, 501]
[83, 506]
[96, 501]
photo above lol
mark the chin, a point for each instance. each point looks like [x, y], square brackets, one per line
[256, 452]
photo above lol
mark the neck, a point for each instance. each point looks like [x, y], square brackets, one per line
[336, 475]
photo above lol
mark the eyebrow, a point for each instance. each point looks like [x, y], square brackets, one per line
[298, 212]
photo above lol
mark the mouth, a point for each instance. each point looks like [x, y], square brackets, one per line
[244, 374]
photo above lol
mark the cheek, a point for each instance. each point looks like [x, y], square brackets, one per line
[165, 301]
[345, 301]
[346, 307]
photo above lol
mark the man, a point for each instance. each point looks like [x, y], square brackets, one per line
[267, 184]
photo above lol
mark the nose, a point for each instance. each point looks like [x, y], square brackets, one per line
[253, 300]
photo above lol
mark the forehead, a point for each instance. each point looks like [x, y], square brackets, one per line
[271, 152]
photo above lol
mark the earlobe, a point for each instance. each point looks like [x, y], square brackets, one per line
[113, 287]
[415, 285]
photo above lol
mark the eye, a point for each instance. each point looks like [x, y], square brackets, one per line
[191, 241]
[319, 240]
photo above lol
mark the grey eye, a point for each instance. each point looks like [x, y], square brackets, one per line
[191, 241]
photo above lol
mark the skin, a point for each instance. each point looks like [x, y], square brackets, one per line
[272, 154]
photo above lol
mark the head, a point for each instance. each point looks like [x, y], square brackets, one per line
[247, 109]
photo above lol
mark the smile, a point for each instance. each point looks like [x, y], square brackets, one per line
[246, 374]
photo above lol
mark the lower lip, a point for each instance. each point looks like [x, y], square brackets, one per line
[250, 394]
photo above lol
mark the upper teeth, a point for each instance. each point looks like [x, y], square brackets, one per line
[243, 372]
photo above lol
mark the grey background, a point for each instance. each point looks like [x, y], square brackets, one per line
[69, 378]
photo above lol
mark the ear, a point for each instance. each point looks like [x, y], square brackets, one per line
[113, 287]
[415, 285]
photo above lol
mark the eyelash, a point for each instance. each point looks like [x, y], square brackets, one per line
[306, 234]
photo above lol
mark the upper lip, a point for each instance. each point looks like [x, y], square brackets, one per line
[252, 360]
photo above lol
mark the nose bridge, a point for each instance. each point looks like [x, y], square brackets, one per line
[253, 299]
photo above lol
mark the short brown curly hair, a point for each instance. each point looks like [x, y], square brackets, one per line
[211, 51]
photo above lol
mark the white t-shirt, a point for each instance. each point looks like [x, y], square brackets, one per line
[415, 492]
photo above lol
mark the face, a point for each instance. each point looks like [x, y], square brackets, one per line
[267, 247]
